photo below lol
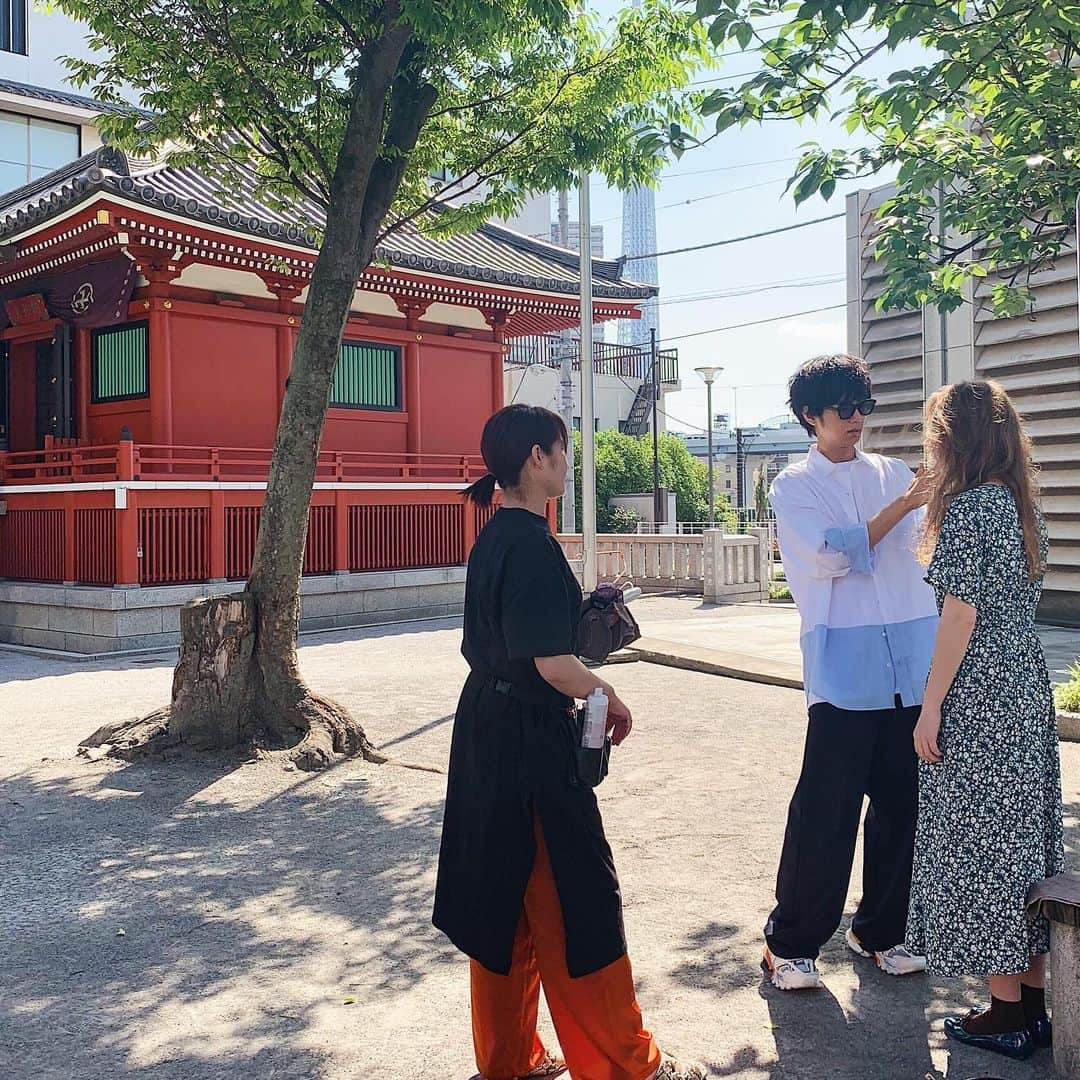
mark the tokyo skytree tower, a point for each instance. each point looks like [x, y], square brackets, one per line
[639, 238]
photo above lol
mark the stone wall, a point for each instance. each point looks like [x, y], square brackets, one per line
[87, 620]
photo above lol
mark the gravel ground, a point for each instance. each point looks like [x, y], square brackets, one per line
[206, 919]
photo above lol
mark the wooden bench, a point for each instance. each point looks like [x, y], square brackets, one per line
[1058, 898]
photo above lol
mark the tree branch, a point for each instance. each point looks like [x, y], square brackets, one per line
[350, 31]
[269, 99]
[411, 100]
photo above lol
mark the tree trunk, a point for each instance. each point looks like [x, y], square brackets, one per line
[238, 681]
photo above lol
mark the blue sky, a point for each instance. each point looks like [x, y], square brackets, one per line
[733, 186]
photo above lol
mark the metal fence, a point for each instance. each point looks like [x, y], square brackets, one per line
[627, 361]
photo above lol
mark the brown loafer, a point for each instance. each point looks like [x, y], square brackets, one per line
[670, 1069]
[551, 1066]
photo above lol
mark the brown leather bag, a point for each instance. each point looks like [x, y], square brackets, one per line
[606, 624]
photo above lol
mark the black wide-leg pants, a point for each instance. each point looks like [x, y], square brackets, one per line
[848, 755]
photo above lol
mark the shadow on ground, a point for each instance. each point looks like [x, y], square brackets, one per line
[151, 915]
[886, 1029]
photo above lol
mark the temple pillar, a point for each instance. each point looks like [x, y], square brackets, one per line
[285, 291]
[159, 271]
[413, 310]
[497, 321]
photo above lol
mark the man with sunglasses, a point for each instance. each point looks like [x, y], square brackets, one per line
[846, 522]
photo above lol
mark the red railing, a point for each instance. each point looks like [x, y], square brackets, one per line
[174, 535]
[400, 537]
[174, 545]
[60, 465]
[32, 544]
[95, 546]
[140, 461]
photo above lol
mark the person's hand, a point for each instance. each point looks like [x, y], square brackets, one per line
[926, 735]
[919, 490]
[619, 720]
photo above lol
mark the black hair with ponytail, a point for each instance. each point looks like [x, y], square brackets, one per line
[508, 440]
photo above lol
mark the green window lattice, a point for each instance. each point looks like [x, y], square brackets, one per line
[367, 377]
[121, 366]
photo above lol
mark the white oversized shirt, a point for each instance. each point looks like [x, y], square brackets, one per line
[868, 618]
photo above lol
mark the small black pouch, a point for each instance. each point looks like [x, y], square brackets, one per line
[589, 766]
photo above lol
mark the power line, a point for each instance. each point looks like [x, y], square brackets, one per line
[730, 168]
[755, 322]
[729, 78]
[732, 294]
[703, 198]
[623, 259]
[726, 191]
[802, 279]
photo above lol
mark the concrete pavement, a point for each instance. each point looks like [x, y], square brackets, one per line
[207, 919]
[760, 643]
[762, 640]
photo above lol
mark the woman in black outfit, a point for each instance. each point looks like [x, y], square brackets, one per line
[527, 885]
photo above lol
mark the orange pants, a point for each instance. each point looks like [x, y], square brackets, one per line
[596, 1017]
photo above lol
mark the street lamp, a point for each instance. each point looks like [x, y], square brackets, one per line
[708, 375]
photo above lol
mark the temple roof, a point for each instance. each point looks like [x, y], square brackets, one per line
[491, 254]
[63, 97]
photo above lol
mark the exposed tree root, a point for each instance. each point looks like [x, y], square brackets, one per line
[223, 700]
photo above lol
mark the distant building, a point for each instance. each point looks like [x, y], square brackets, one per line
[573, 232]
[639, 238]
[773, 444]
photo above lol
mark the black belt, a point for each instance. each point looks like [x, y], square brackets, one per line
[508, 689]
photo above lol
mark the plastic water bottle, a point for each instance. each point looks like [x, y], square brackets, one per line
[595, 726]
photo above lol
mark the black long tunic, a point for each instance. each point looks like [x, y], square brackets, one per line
[511, 756]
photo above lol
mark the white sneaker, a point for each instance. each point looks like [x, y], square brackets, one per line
[800, 974]
[899, 960]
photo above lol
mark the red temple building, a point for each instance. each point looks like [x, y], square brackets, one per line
[148, 320]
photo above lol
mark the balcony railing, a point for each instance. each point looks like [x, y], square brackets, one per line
[627, 361]
[128, 461]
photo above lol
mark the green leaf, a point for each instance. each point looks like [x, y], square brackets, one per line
[955, 76]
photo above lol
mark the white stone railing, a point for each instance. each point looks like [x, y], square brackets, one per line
[716, 566]
[736, 567]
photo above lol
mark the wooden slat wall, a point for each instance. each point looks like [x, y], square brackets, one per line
[890, 341]
[1036, 357]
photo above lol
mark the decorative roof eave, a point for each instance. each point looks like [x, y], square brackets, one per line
[108, 175]
[106, 223]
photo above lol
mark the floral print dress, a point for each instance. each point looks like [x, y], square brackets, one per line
[990, 815]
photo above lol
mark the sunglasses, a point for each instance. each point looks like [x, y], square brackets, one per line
[849, 408]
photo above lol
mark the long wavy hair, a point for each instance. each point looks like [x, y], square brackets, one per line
[972, 435]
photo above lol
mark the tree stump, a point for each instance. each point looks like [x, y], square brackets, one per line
[213, 699]
[225, 696]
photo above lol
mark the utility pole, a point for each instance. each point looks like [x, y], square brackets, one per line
[742, 445]
[739, 484]
[588, 408]
[659, 510]
[566, 390]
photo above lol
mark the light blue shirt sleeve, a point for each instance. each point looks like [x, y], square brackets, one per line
[854, 542]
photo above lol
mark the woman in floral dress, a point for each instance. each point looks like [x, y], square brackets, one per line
[990, 816]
